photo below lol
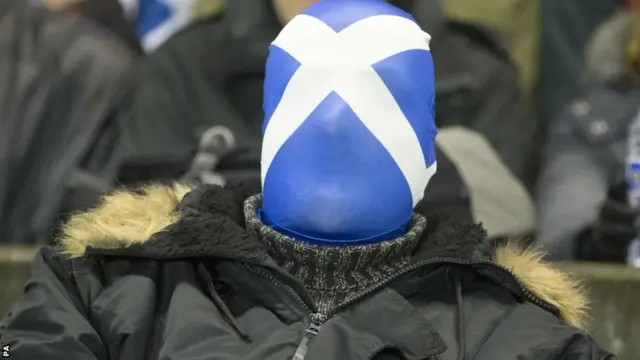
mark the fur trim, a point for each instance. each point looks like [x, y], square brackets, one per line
[548, 283]
[124, 218]
[129, 218]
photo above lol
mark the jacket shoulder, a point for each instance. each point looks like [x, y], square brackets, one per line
[534, 333]
[552, 285]
[556, 335]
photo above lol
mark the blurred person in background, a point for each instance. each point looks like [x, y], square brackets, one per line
[519, 22]
[108, 14]
[582, 196]
[327, 260]
[64, 86]
[566, 27]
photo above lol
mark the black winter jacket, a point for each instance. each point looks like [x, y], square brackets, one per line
[147, 276]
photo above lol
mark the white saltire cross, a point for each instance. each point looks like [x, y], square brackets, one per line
[341, 62]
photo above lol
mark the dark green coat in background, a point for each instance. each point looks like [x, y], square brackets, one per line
[148, 276]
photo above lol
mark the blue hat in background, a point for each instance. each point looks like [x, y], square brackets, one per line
[159, 20]
[349, 132]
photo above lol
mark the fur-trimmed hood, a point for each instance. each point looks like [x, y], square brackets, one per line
[156, 222]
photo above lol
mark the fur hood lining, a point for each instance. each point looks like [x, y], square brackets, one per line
[128, 219]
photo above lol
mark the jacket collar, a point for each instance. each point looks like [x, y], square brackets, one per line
[170, 223]
[174, 222]
[209, 222]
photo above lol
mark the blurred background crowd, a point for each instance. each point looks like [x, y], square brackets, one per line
[537, 103]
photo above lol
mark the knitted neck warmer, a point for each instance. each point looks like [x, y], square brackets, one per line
[331, 274]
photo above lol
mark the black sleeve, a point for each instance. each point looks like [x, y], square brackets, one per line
[50, 321]
[583, 347]
[97, 170]
[98, 111]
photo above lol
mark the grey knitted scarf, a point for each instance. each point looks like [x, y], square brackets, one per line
[331, 274]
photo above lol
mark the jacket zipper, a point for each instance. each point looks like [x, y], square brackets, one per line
[310, 332]
[318, 319]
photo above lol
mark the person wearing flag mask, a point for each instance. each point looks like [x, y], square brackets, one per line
[326, 259]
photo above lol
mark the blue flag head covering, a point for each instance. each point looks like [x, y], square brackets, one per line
[349, 132]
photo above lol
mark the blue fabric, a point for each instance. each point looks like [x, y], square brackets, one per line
[152, 13]
[332, 182]
[352, 171]
[320, 241]
[418, 100]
